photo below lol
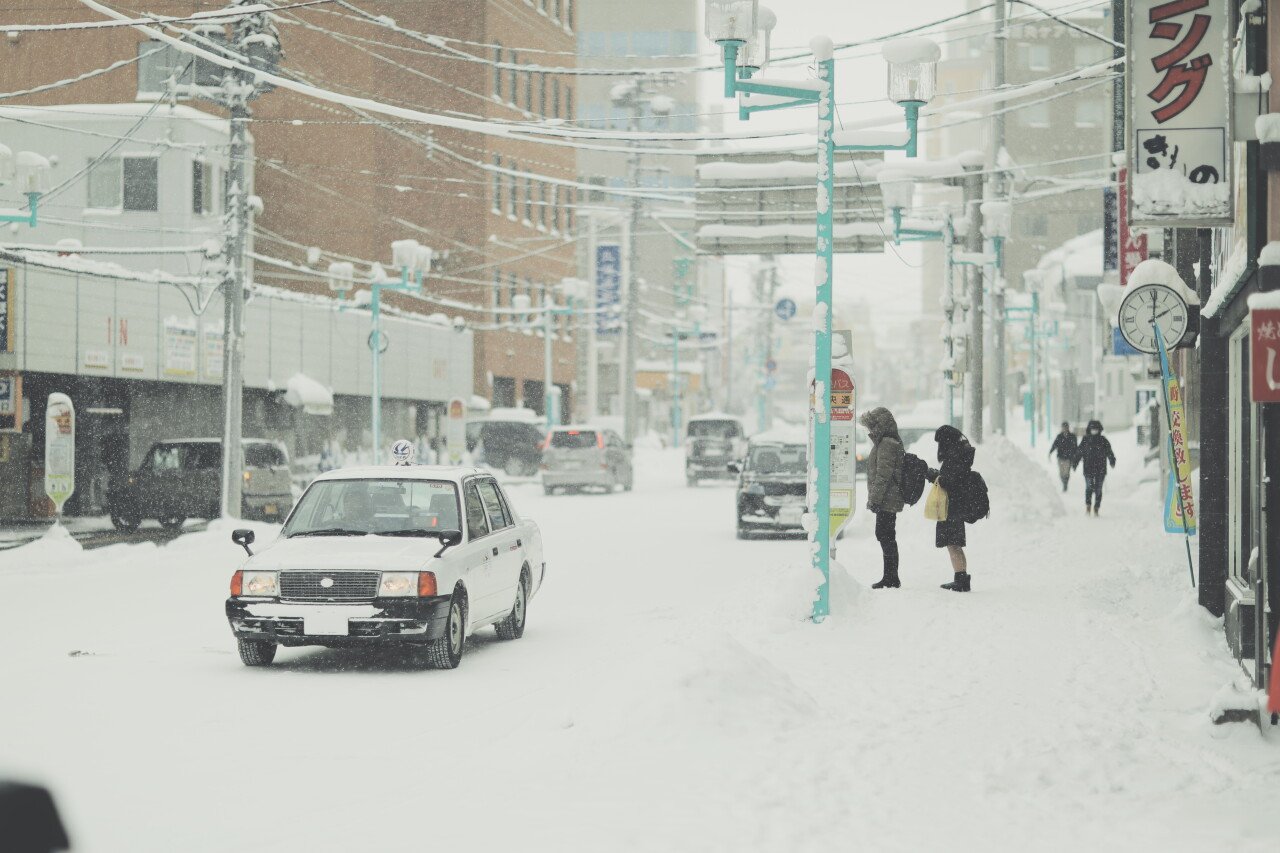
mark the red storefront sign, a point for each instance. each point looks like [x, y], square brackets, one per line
[841, 395]
[1264, 354]
[1133, 246]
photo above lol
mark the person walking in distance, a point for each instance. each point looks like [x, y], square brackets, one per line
[1065, 446]
[884, 488]
[1095, 453]
[955, 461]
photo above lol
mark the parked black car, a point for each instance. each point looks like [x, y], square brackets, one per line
[182, 479]
[771, 486]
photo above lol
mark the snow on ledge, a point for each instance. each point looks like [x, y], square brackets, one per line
[303, 392]
[1270, 255]
[1267, 126]
[872, 137]
[1269, 301]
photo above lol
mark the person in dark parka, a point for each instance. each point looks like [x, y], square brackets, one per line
[955, 461]
[1095, 452]
[1065, 446]
[884, 487]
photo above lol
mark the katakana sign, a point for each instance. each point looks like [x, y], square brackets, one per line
[1264, 354]
[1179, 107]
[608, 289]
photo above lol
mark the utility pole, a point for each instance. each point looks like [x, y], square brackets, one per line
[974, 243]
[1000, 379]
[631, 309]
[238, 88]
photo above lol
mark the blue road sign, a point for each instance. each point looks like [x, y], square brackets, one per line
[608, 289]
[785, 309]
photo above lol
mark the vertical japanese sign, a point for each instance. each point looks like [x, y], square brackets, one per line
[59, 449]
[212, 353]
[1179, 502]
[180, 345]
[843, 439]
[1179, 106]
[1264, 355]
[608, 288]
[7, 330]
[455, 431]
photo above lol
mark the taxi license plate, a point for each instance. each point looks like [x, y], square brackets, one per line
[270, 509]
[325, 624]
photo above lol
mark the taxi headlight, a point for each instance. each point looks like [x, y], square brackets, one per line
[259, 584]
[398, 584]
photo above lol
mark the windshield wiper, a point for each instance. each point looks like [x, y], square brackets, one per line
[410, 532]
[330, 531]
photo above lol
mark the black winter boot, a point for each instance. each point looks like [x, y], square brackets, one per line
[960, 584]
[889, 581]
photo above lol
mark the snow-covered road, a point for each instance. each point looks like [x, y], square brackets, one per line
[668, 695]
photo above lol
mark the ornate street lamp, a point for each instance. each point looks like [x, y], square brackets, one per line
[29, 172]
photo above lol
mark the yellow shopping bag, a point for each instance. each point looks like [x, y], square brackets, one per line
[935, 506]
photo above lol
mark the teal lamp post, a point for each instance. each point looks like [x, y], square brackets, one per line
[741, 28]
[31, 172]
[572, 290]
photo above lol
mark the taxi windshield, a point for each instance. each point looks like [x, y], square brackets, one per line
[387, 507]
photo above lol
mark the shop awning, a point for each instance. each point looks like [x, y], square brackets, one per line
[307, 394]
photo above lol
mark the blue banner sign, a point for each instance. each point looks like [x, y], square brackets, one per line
[608, 289]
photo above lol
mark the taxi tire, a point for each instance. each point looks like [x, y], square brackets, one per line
[441, 653]
[256, 652]
[512, 626]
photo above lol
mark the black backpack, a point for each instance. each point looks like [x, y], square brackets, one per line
[913, 470]
[976, 504]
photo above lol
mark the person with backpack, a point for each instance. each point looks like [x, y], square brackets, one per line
[966, 499]
[1065, 446]
[1095, 452]
[884, 488]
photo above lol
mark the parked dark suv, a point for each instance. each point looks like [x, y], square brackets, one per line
[182, 479]
[512, 445]
[771, 485]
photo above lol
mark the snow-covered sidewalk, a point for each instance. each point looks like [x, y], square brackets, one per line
[669, 694]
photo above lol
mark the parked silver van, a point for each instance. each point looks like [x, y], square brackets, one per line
[579, 457]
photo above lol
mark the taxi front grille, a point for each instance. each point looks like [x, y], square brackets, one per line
[345, 586]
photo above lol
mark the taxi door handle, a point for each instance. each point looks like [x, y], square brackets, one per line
[495, 551]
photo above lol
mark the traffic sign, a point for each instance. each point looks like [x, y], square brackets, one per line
[785, 309]
[771, 365]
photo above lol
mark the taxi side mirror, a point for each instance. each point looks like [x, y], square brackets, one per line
[244, 538]
[449, 539]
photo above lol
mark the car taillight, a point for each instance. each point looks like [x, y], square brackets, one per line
[545, 444]
[426, 584]
[600, 440]
[237, 584]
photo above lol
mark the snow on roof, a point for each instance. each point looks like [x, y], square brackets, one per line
[452, 473]
[911, 50]
[94, 113]
[788, 434]
[1230, 280]
[303, 392]
[503, 413]
[1080, 257]
[716, 416]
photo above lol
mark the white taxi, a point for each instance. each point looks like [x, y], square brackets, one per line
[418, 555]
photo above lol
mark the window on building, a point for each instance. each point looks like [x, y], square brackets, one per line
[1034, 224]
[514, 78]
[1089, 111]
[618, 44]
[511, 190]
[572, 193]
[104, 185]
[497, 184]
[555, 210]
[542, 94]
[203, 182]
[568, 102]
[684, 42]
[542, 206]
[126, 183]
[497, 71]
[512, 288]
[555, 97]
[528, 91]
[650, 43]
[542, 6]
[528, 201]
[568, 14]
[1038, 57]
[1035, 115]
[497, 289]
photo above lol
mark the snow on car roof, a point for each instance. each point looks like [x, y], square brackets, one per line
[453, 473]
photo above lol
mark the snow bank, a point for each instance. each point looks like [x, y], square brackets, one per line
[1019, 488]
[56, 547]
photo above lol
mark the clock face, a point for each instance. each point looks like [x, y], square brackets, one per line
[1151, 308]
